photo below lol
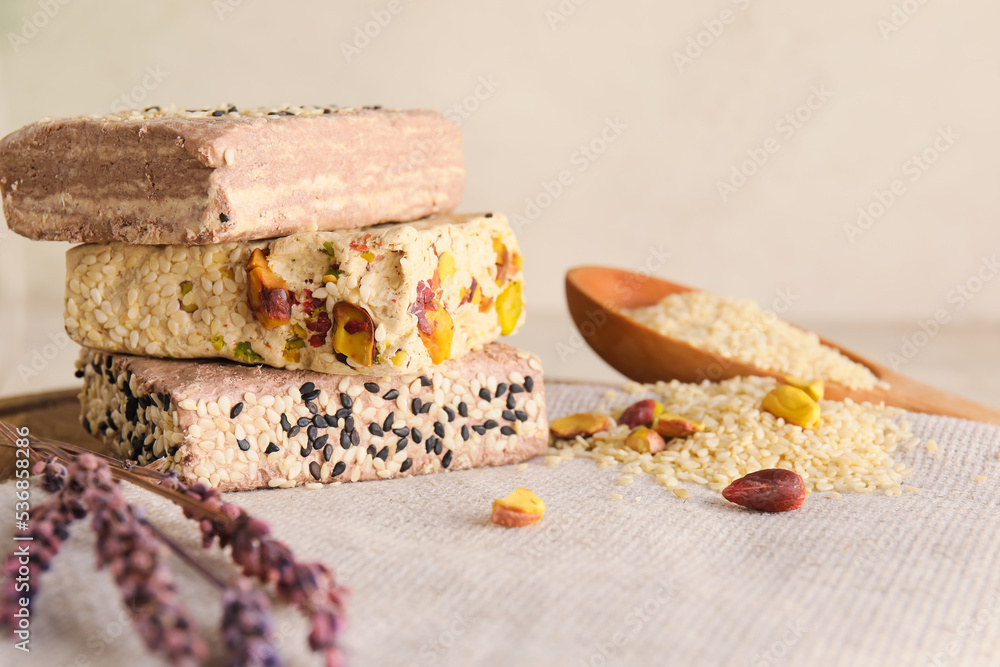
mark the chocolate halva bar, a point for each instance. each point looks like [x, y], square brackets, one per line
[236, 427]
[386, 300]
[222, 174]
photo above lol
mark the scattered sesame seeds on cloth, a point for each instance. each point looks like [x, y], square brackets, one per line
[860, 579]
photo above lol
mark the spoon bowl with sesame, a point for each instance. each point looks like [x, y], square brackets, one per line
[651, 329]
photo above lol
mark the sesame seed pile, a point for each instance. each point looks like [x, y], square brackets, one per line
[739, 329]
[851, 450]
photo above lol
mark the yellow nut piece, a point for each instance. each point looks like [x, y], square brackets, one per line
[645, 441]
[520, 508]
[509, 305]
[814, 388]
[446, 266]
[672, 426]
[582, 423]
[793, 405]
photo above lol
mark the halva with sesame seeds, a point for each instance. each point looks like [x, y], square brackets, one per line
[850, 448]
[238, 428]
[385, 300]
[739, 329]
[222, 174]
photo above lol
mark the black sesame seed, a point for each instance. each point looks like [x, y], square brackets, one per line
[338, 469]
[465, 432]
[479, 429]
[86, 425]
[312, 432]
[346, 400]
[328, 452]
[416, 435]
[108, 361]
[304, 421]
[372, 387]
[285, 424]
[507, 430]
[425, 381]
[314, 469]
[383, 453]
[529, 383]
[342, 413]
[488, 215]
[349, 423]
[401, 444]
[166, 401]
[437, 446]
[463, 409]
[391, 395]
[308, 387]
[490, 423]
[425, 408]
[415, 406]
[406, 465]
[345, 439]
[294, 431]
[319, 421]
[521, 415]
[237, 409]
[501, 388]
[375, 429]
[305, 450]
[355, 438]
[401, 432]
[311, 395]
[223, 217]
[511, 401]
[312, 407]
[173, 451]
[244, 444]
[103, 426]
[439, 429]
[516, 389]
[508, 415]
[271, 449]
[451, 413]
[216, 114]
[372, 450]
[485, 394]
[446, 461]
[79, 373]
[320, 442]
[387, 424]
[429, 445]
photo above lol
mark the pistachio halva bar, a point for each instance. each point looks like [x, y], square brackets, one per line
[223, 174]
[386, 300]
[236, 427]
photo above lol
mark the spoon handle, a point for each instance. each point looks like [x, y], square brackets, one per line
[915, 396]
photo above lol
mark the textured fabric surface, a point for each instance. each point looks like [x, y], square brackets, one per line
[859, 580]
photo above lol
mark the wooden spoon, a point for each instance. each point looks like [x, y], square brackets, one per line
[597, 295]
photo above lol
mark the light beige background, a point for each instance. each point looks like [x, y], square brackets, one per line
[534, 85]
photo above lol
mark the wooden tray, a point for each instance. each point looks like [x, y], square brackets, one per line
[51, 414]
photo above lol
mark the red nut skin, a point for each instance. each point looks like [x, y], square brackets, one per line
[639, 414]
[772, 490]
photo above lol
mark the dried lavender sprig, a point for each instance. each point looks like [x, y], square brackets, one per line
[309, 586]
[247, 627]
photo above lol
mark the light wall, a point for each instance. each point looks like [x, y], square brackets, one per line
[533, 85]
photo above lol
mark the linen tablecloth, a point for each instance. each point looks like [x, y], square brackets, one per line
[647, 580]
